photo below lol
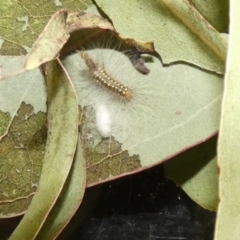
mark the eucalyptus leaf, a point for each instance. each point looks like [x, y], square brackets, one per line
[23, 134]
[171, 109]
[228, 217]
[68, 201]
[57, 32]
[178, 30]
[18, 85]
[22, 151]
[59, 153]
[20, 30]
[196, 172]
[49, 42]
[216, 12]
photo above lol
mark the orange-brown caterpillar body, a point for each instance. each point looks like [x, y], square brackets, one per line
[102, 77]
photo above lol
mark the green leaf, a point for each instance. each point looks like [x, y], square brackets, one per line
[196, 172]
[50, 41]
[228, 217]
[20, 30]
[172, 109]
[59, 153]
[178, 30]
[57, 32]
[68, 201]
[215, 12]
[18, 85]
[23, 134]
[21, 154]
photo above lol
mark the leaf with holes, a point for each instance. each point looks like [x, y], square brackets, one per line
[23, 135]
[171, 109]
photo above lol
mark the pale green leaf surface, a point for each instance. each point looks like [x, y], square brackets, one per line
[68, 201]
[215, 11]
[196, 172]
[19, 85]
[22, 119]
[91, 197]
[59, 153]
[228, 216]
[172, 109]
[179, 32]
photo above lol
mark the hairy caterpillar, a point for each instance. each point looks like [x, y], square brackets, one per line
[104, 78]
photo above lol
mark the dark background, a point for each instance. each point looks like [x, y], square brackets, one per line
[145, 206]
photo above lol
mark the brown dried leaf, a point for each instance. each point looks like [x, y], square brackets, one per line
[81, 20]
[49, 42]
